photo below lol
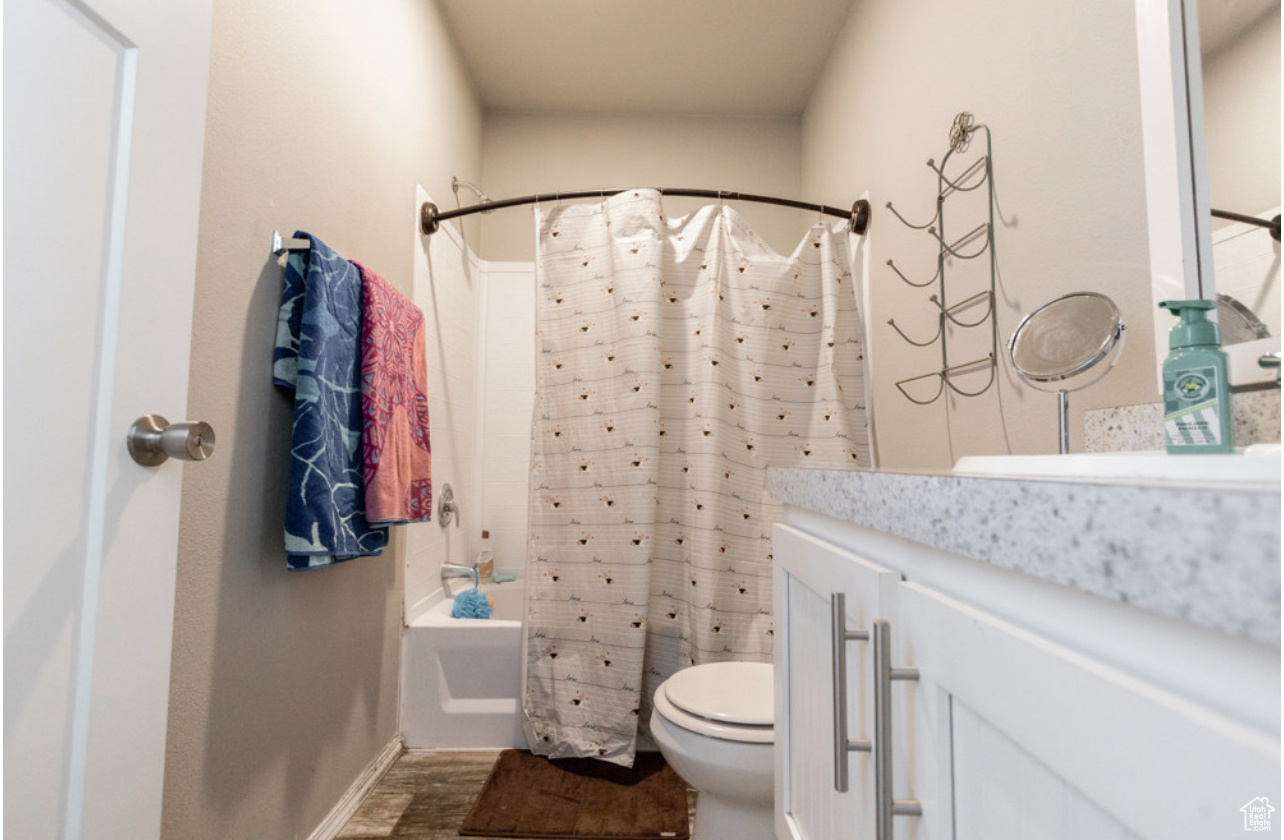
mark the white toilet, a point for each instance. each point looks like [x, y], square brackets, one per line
[714, 725]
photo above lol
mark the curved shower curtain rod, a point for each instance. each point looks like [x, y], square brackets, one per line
[430, 217]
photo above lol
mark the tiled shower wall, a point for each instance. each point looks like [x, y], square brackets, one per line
[447, 287]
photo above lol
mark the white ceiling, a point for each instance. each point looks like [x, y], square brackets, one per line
[747, 57]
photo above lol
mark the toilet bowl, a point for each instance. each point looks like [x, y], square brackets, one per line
[714, 725]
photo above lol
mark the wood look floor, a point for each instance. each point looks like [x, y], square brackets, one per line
[426, 795]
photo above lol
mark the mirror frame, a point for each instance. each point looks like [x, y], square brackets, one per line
[1179, 221]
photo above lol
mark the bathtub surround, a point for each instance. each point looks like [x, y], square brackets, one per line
[448, 287]
[1161, 548]
[676, 359]
[507, 391]
[284, 687]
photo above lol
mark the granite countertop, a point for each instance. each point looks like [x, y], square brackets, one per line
[1207, 555]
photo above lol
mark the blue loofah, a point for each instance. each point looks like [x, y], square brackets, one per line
[470, 603]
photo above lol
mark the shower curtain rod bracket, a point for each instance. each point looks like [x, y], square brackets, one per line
[428, 223]
[860, 216]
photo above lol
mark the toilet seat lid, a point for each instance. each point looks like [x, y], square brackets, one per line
[727, 692]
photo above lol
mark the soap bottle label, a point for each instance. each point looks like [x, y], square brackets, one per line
[1190, 407]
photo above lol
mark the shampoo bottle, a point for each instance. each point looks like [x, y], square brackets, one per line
[1197, 408]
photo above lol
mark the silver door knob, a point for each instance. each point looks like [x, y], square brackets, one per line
[153, 440]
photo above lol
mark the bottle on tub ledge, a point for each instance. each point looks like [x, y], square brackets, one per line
[1197, 406]
[485, 561]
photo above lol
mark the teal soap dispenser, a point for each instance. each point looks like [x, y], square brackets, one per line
[1197, 408]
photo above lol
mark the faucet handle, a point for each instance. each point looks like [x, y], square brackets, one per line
[446, 507]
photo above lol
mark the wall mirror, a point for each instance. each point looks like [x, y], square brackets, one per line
[1210, 95]
[1239, 51]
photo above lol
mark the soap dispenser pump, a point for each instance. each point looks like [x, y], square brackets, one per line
[1197, 408]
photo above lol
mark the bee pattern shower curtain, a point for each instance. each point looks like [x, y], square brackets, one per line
[677, 359]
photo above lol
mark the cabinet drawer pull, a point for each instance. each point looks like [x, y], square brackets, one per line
[885, 807]
[840, 637]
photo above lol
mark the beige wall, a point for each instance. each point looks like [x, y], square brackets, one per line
[533, 153]
[1242, 120]
[322, 116]
[1057, 84]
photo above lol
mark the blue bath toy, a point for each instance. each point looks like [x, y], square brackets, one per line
[471, 603]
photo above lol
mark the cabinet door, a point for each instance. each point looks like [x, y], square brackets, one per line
[1038, 742]
[807, 573]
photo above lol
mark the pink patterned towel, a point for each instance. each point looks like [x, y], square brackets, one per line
[394, 402]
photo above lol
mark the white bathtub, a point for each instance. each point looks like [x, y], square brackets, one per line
[461, 677]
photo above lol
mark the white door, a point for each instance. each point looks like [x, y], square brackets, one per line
[808, 572]
[1031, 739]
[104, 121]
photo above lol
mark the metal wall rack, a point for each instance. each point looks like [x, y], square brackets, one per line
[978, 174]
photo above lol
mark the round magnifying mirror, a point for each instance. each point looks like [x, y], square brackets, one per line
[1063, 339]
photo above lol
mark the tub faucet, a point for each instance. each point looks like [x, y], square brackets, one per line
[454, 570]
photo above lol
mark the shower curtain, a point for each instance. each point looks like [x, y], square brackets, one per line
[677, 359]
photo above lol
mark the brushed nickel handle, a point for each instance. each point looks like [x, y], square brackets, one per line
[885, 807]
[446, 507]
[840, 637]
[152, 440]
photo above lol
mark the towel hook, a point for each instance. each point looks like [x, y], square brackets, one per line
[910, 224]
[967, 237]
[957, 184]
[279, 247]
[910, 282]
[949, 311]
[940, 328]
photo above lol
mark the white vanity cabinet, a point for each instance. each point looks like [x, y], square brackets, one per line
[807, 803]
[1037, 712]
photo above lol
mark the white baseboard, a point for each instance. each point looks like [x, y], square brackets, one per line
[350, 801]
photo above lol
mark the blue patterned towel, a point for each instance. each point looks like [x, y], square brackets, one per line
[318, 354]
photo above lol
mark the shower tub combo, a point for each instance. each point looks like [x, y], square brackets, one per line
[461, 677]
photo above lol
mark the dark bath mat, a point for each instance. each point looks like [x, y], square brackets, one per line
[530, 796]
